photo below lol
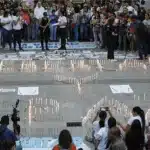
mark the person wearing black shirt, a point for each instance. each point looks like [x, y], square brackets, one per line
[134, 138]
[112, 33]
[122, 33]
[141, 36]
[44, 31]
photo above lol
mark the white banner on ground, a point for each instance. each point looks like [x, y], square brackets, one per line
[2, 90]
[116, 89]
[25, 91]
[56, 45]
[84, 147]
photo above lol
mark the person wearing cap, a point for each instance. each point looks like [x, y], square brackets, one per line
[44, 31]
[7, 137]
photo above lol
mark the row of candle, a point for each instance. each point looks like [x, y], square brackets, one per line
[57, 66]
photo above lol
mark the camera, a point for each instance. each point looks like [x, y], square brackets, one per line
[104, 108]
[15, 118]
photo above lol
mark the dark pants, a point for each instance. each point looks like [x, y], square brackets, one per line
[17, 38]
[63, 35]
[142, 47]
[104, 37]
[25, 32]
[44, 38]
[111, 44]
[7, 37]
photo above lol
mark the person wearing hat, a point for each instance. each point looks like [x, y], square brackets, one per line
[7, 137]
[44, 31]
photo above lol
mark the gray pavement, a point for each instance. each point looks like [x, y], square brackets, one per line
[67, 92]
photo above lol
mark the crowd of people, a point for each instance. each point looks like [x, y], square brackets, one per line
[113, 24]
[108, 133]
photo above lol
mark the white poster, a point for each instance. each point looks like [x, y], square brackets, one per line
[116, 89]
[37, 148]
[28, 91]
[2, 90]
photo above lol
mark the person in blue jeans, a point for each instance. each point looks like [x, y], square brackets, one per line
[53, 29]
[75, 23]
[6, 22]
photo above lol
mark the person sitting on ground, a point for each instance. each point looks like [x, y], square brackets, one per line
[65, 141]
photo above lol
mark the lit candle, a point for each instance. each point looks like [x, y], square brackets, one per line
[79, 87]
[99, 66]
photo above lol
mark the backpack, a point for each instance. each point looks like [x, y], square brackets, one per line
[72, 147]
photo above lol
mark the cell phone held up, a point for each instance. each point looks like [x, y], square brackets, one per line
[104, 108]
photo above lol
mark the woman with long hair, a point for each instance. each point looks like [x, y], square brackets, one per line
[65, 141]
[138, 114]
[134, 138]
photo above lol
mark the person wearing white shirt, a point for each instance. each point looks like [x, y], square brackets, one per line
[6, 22]
[102, 116]
[62, 21]
[101, 137]
[38, 11]
[17, 26]
[38, 14]
[138, 114]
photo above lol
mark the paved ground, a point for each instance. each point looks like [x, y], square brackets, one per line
[61, 98]
[65, 87]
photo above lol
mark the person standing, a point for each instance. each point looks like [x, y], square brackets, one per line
[17, 26]
[38, 14]
[115, 137]
[44, 31]
[62, 21]
[53, 29]
[134, 138]
[110, 42]
[141, 36]
[7, 137]
[6, 22]
[1, 16]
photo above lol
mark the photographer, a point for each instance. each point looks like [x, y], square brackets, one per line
[7, 137]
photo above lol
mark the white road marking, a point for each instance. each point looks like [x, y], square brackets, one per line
[116, 89]
[28, 91]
